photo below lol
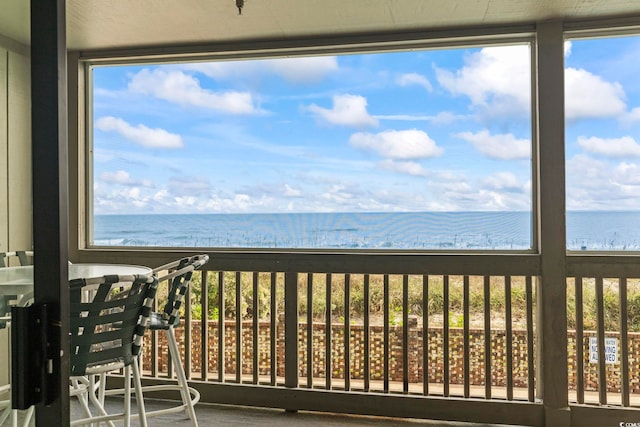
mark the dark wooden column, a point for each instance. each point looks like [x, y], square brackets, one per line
[50, 182]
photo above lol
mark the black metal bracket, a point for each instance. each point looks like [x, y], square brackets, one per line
[30, 361]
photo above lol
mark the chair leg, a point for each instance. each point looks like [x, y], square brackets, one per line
[28, 415]
[100, 407]
[4, 415]
[82, 395]
[181, 376]
[127, 396]
[142, 414]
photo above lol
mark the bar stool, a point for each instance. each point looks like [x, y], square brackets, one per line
[178, 278]
[106, 335]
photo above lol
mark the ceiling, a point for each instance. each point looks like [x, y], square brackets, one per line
[101, 24]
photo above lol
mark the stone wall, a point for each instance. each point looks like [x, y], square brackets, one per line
[376, 353]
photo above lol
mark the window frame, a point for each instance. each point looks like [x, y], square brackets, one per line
[579, 30]
[334, 46]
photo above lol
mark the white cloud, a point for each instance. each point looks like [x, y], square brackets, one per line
[589, 96]
[410, 79]
[189, 186]
[123, 199]
[447, 117]
[602, 185]
[567, 49]
[348, 110]
[117, 177]
[401, 144]
[625, 146]
[500, 146]
[587, 170]
[185, 90]
[497, 80]
[294, 70]
[236, 203]
[627, 174]
[140, 134]
[495, 77]
[488, 194]
[409, 168]
[502, 181]
[122, 177]
[289, 191]
[632, 116]
[442, 118]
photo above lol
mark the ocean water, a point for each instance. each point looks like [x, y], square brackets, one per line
[415, 230]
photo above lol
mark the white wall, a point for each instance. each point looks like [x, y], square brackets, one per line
[15, 151]
[15, 161]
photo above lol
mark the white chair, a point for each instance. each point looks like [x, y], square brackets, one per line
[8, 259]
[106, 335]
[178, 277]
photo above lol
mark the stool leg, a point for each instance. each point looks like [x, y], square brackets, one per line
[142, 414]
[181, 376]
[127, 396]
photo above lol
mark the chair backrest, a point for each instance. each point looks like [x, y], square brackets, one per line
[108, 317]
[179, 277]
[23, 258]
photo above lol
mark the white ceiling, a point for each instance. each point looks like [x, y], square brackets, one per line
[98, 24]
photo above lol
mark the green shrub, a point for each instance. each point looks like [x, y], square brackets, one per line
[435, 300]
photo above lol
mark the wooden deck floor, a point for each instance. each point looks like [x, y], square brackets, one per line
[225, 415]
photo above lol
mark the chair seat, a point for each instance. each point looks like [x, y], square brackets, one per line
[158, 323]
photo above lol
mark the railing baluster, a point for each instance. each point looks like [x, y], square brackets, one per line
[256, 314]
[347, 332]
[309, 330]
[204, 327]
[327, 341]
[238, 327]
[487, 337]
[602, 370]
[367, 334]
[291, 334]
[425, 335]
[386, 329]
[579, 340]
[221, 327]
[465, 340]
[624, 343]
[273, 336]
[509, 336]
[530, 347]
[445, 335]
[405, 334]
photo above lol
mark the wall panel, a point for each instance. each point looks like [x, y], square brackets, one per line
[19, 152]
[4, 209]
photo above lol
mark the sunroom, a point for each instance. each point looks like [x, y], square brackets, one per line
[418, 209]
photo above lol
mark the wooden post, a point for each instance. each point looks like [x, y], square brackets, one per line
[552, 297]
[291, 332]
[50, 186]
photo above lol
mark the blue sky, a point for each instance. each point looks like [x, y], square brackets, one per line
[438, 130]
